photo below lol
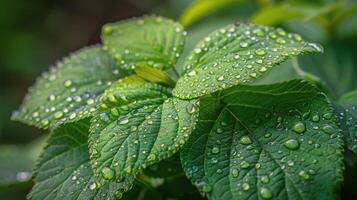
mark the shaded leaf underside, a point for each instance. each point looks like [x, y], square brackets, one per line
[138, 125]
[64, 168]
[246, 147]
[69, 91]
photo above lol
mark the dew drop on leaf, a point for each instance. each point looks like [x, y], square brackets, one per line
[124, 121]
[151, 157]
[304, 175]
[265, 179]
[215, 150]
[93, 186]
[265, 193]
[245, 140]
[245, 186]
[67, 83]
[328, 129]
[244, 164]
[108, 173]
[299, 127]
[235, 173]
[315, 118]
[292, 144]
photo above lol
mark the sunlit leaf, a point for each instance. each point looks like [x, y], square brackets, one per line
[237, 54]
[148, 41]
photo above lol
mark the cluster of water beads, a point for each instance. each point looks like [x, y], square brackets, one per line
[122, 109]
[68, 100]
[169, 53]
[237, 54]
[299, 127]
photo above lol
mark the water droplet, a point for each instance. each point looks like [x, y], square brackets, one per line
[297, 37]
[72, 116]
[45, 122]
[265, 179]
[235, 173]
[245, 186]
[304, 175]
[108, 173]
[192, 73]
[244, 164]
[280, 41]
[52, 97]
[151, 157]
[206, 188]
[58, 115]
[35, 114]
[299, 127]
[328, 129]
[292, 144]
[90, 101]
[124, 121]
[265, 193]
[197, 50]
[315, 118]
[245, 140]
[93, 186]
[244, 44]
[327, 116]
[260, 52]
[128, 170]
[221, 78]
[67, 83]
[191, 108]
[215, 150]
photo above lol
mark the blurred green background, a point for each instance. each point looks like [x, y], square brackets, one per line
[34, 34]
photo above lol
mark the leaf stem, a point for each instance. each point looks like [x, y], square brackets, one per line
[297, 68]
[176, 72]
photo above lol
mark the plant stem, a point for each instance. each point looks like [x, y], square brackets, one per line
[176, 72]
[297, 68]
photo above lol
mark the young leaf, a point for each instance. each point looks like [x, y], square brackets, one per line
[148, 41]
[154, 75]
[138, 125]
[237, 54]
[347, 113]
[275, 141]
[68, 92]
[65, 171]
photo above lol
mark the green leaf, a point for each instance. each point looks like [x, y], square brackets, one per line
[138, 125]
[154, 75]
[275, 141]
[65, 171]
[202, 8]
[148, 41]
[237, 54]
[347, 113]
[69, 91]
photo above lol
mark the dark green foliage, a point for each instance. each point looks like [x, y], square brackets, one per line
[118, 119]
